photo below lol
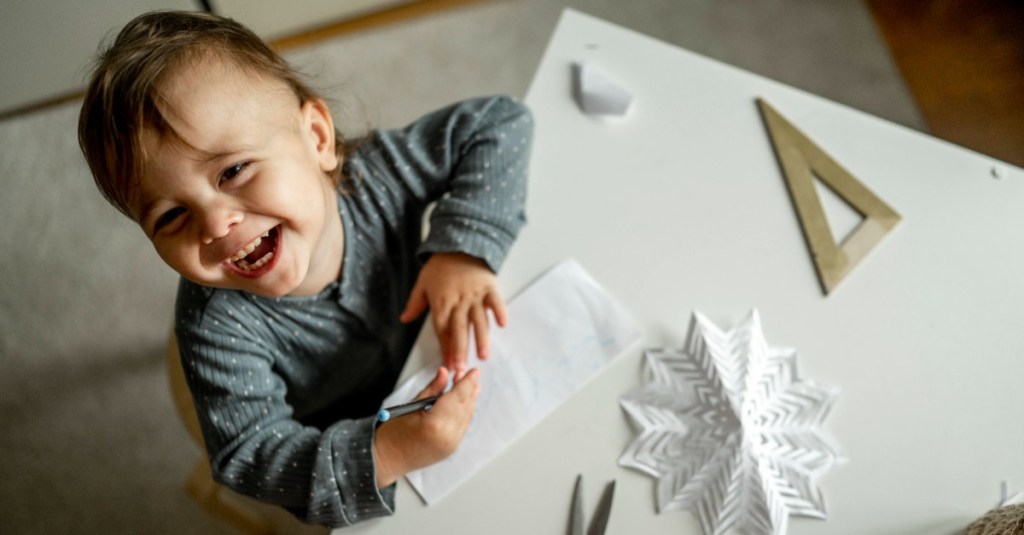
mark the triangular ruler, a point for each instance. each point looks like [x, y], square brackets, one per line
[802, 161]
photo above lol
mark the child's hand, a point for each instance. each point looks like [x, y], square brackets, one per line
[459, 289]
[422, 438]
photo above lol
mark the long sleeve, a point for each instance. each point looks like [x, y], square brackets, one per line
[286, 388]
[471, 159]
[234, 354]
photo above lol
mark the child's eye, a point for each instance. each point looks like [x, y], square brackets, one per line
[233, 171]
[167, 218]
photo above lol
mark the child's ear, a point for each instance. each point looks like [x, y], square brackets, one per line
[320, 127]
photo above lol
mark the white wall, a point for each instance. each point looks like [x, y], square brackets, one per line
[48, 45]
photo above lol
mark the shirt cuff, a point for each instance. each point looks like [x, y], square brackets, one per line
[459, 236]
[350, 492]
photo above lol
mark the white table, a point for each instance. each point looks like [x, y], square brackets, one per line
[681, 206]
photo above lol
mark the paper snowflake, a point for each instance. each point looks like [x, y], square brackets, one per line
[730, 431]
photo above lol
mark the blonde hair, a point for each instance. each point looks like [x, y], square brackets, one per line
[120, 102]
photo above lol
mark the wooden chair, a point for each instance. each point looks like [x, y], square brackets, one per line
[245, 513]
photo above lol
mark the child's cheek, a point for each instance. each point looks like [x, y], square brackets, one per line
[179, 256]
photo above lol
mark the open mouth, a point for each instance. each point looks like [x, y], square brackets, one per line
[257, 254]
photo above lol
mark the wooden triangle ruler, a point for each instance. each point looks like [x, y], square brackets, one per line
[802, 161]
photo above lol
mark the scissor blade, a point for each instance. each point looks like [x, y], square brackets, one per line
[604, 510]
[576, 516]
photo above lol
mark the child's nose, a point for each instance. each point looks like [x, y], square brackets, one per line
[217, 223]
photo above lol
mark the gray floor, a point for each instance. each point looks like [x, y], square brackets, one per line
[89, 440]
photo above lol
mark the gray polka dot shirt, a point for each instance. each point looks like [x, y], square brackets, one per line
[286, 389]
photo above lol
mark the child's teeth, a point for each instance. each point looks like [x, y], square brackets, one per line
[266, 258]
[244, 251]
[255, 265]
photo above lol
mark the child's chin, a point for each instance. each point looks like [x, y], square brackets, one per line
[263, 292]
[260, 288]
[247, 286]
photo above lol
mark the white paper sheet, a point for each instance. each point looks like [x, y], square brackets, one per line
[563, 329]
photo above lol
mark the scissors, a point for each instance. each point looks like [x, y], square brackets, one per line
[604, 509]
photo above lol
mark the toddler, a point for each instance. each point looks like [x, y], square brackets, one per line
[304, 272]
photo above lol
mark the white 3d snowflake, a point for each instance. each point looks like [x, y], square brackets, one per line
[730, 431]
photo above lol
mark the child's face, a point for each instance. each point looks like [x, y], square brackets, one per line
[252, 167]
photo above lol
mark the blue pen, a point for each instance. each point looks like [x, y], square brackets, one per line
[400, 410]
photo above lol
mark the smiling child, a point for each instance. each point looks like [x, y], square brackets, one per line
[305, 274]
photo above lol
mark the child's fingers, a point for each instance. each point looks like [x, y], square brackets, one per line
[453, 414]
[463, 387]
[458, 332]
[494, 302]
[415, 306]
[466, 387]
[461, 399]
[441, 318]
[480, 330]
[437, 385]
